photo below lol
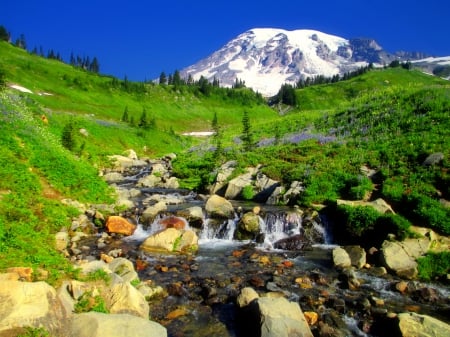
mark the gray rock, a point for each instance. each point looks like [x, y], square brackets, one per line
[357, 256]
[94, 324]
[341, 259]
[415, 325]
[217, 206]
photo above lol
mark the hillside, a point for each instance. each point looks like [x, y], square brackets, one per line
[389, 121]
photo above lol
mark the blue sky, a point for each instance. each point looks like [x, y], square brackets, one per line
[139, 39]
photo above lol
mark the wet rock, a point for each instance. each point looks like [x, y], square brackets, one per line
[246, 296]
[194, 215]
[294, 242]
[248, 227]
[151, 212]
[217, 206]
[173, 222]
[119, 225]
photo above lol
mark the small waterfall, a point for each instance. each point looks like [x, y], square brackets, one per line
[213, 229]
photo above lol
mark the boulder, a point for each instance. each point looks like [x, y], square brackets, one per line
[119, 225]
[357, 256]
[293, 192]
[379, 204]
[246, 296]
[236, 185]
[113, 177]
[171, 240]
[415, 325]
[219, 207]
[31, 304]
[95, 324]
[121, 163]
[341, 259]
[223, 174]
[194, 215]
[173, 222]
[294, 242]
[264, 187]
[281, 318]
[397, 259]
[124, 268]
[61, 241]
[151, 212]
[249, 223]
[123, 298]
[149, 181]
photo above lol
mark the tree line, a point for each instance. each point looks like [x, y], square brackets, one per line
[82, 62]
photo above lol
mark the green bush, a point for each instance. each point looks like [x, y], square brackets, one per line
[248, 192]
[429, 212]
[434, 265]
[393, 224]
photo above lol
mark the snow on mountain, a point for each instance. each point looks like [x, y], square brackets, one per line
[266, 58]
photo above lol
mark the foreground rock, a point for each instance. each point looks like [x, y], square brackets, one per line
[414, 325]
[26, 304]
[94, 324]
[272, 316]
[219, 207]
[119, 225]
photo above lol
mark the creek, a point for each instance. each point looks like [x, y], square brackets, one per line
[202, 287]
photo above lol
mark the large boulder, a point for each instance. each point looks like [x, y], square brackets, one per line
[194, 216]
[264, 187]
[124, 268]
[341, 259]
[171, 240]
[95, 324]
[223, 173]
[415, 325]
[248, 226]
[397, 260]
[357, 256]
[236, 185]
[123, 298]
[152, 211]
[31, 304]
[119, 225]
[219, 207]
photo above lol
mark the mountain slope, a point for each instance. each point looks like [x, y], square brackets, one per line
[265, 58]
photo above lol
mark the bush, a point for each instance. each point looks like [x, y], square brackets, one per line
[434, 265]
[431, 213]
[248, 193]
[357, 220]
[393, 224]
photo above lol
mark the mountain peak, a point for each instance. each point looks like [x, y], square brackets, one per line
[266, 58]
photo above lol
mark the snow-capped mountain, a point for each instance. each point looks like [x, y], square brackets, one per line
[266, 58]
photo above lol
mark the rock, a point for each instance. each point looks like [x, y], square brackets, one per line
[357, 256]
[31, 304]
[264, 187]
[433, 159]
[246, 296]
[130, 154]
[396, 259]
[173, 222]
[119, 225]
[415, 325]
[151, 212]
[341, 259]
[121, 163]
[379, 204]
[123, 298]
[311, 317]
[281, 318]
[94, 324]
[124, 268]
[223, 173]
[294, 242]
[248, 226]
[23, 273]
[171, 240]
[236, 185]
[149, 181]
[194, 215]
[217, 206]
[293, 192]
[113, 177]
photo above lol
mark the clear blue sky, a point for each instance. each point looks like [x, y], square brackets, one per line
[139, 39]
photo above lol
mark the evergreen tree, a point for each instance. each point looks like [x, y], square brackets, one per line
[4, 34]
[125, 115]
[162, 78]
[94, 66]
[20, 42]
[143, 122]
[67, 137]
[246, 137]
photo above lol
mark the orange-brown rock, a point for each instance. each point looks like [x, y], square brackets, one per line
[173, 222]
[311, 317]
[117, 224]
[176, 313]
[24, 273]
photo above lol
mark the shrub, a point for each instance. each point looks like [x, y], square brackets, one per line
[429, 212]
[357, 222]
[357, 187]
[393, 224]
[434, 265]
[248, 193]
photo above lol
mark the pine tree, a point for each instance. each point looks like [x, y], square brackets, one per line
[246, 133]
[67, 137]
[125, 115]
[162, 78]
[143, 122]
[4, 34]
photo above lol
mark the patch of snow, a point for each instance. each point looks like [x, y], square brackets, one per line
[199, 133]
[45, 94]
[20, 88]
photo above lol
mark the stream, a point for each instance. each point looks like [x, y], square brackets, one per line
[202, 288]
